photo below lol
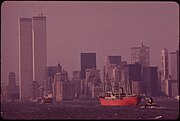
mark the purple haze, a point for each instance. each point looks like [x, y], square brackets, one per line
[107, 28]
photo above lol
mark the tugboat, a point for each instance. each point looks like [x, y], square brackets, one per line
[47, 99]
[149, 103]
[177, 97]
[119, 99]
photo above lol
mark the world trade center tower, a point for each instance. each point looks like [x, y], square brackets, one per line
[25, 58]
[32, 54]
[39, 49]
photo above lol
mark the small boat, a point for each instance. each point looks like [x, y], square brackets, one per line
[177, 97]
[150, 104]
[47, 99]
[115, 99]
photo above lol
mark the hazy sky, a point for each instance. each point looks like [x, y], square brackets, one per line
[106, 28]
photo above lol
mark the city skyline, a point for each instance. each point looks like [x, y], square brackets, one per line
[104, 28]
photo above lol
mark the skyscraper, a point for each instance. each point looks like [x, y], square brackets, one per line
[164, 64]
[33, 54]
[134, 75]
[112, 61]
[50, 72]
[113, 67]
[88, 61]
[39, 49]
[173, 59]
[140, 55]
[150, 81]
[25, 58]
[164, 69]
[134, 72]
[174, 69]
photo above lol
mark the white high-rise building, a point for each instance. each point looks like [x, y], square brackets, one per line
[164, 64]
[25, 58]
[164, 69]
[39, 49]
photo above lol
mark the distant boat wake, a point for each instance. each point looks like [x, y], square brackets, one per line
[157, 107]
[157, 117]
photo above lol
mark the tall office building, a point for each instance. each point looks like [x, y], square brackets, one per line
[164, 64]
[39, 49]
[112, 61]
[33, 54]
[150, 81]
[164, 69]
[134, 72]
[173, 59]
[140, 55]
[50, 73]
[88, 61]
[134, 76]
[93, 85]
[25, 58]
[113, 67]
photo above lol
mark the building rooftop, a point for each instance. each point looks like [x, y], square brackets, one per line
[115, 59]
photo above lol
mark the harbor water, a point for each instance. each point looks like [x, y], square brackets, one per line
[89, 109]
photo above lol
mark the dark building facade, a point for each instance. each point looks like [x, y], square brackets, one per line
[150, 81]
[134, 72]
[88, 61]
[135, 77]
[51, 71]
[112, 60]
[115, 60]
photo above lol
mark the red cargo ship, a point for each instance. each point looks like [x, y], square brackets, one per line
[115, 95]
[115, 99]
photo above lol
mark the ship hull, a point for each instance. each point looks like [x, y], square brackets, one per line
[125, 101]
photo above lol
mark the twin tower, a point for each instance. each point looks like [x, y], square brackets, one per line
[32, 54]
